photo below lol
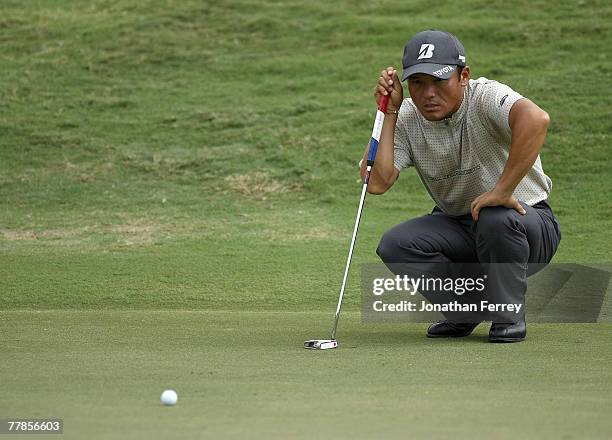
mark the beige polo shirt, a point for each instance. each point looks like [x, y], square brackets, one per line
[464, 156]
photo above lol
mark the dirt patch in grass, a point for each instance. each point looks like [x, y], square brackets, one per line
[302, 234]
[258, 185]
[133, 232]
[18, 235]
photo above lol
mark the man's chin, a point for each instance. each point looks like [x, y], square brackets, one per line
[434, 115]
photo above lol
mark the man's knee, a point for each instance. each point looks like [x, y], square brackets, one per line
[388, 247]
[501, 236]
[402, 246]
[495, 222]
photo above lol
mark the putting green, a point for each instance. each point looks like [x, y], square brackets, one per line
[245, 375]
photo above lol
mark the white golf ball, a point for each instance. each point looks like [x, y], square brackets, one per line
[169, 397]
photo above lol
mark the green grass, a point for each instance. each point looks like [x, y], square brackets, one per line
[201, 156]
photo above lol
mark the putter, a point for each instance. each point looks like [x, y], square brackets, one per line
[324, 344]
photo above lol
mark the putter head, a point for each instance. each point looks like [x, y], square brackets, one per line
[320, 344]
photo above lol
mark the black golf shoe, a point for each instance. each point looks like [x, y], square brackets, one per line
[508, 332]
[447, 329]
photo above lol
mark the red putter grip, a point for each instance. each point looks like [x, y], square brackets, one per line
[382, 105]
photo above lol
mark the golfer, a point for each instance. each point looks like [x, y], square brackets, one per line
[475, 145]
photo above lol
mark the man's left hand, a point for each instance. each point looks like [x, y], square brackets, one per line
[495, 198]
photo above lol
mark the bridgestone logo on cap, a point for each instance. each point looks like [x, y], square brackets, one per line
[426, 51]
[443, 70]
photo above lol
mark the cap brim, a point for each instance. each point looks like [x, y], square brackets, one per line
[442, 71]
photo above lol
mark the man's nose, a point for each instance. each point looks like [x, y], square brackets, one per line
[430, 91]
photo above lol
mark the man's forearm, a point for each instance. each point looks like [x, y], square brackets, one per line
[529, 125]
[383, 171]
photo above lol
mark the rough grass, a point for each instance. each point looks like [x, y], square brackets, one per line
[132, 126]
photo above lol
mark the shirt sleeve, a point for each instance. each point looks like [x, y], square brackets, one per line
[496, 100]
[401, 151]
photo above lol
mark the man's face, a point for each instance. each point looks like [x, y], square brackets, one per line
[436, 98]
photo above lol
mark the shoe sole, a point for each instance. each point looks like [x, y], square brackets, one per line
[447, 336]
[506, 339]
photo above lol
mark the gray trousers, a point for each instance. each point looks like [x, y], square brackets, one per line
[509, 246]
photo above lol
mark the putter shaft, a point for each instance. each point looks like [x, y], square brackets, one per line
[350, 253]
[376, 130]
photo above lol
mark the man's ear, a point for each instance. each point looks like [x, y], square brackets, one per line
[465, 76]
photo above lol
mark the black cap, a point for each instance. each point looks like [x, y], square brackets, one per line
[432, 52]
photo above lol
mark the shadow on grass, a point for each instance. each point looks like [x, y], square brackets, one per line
[415, 336]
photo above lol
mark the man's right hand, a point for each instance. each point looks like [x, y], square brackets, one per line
[389, 84]
[383, 173]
